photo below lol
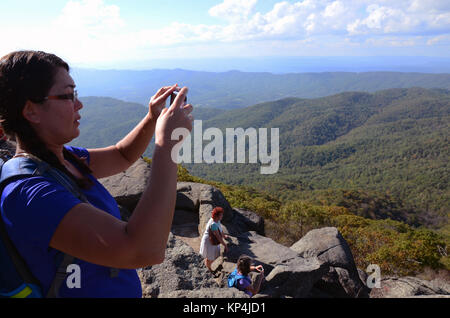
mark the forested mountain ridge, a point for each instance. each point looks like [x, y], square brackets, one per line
[392, 142]
[235, 89]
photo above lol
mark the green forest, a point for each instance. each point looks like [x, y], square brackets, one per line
[390, 146]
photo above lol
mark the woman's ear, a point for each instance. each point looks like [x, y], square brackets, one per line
[31, 112]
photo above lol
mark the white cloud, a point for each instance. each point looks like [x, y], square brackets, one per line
[233, 10]
[439, 40]
[90, 16]
[384, 20]
[92, 30]
[404, 17]
[87, 30]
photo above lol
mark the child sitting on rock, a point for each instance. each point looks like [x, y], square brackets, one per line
[241, 279]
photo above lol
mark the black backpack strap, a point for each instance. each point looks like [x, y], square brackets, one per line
[19, 263]
[17, 169]
[60, 276]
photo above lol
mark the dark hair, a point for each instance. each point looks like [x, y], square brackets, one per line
[243, 264]
[29, 75]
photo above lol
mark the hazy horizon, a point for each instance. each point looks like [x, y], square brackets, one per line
[292, 64]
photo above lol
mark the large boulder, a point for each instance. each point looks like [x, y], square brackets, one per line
[244, 221]
[202, 198]
[262, 249]
[328, 245]
[294, 278]
[127, 187]
[401, 287]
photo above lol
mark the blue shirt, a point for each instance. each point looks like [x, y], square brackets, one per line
[243, 283]
[32, 209]
[215, 226]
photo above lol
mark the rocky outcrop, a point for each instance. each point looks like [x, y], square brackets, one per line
[182, 269]
[128, 186]
[402, 287]
[319, 265]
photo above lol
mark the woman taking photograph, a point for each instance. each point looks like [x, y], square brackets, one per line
[39, 109]
[212, 238]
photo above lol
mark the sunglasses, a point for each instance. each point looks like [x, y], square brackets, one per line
[72, 96]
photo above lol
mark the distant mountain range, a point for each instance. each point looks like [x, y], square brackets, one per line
[235, 89]
[383, 153]
[295, 64]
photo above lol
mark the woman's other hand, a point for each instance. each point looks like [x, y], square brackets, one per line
[158, 101]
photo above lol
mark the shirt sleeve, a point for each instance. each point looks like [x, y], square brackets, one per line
[79, 152]
[33, 208]
[214, 226]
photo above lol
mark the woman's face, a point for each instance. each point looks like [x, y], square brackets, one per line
[59, 119]
[218, 217]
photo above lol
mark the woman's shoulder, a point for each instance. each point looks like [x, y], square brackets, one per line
[27, 190]
[34, 207]
[80, 152]
[215, 226]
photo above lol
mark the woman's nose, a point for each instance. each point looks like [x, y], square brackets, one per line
[78, 104]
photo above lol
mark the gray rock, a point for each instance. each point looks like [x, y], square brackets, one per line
[206, 293]
[182, 217]
[185, 223]
[210, 198]
[400, 287]
[244, 221]
[328, 245]
[127, 187]
[294, 278]
[7, 149]
[262, 249]
[202, 198]
[329, 285]
[182, 269]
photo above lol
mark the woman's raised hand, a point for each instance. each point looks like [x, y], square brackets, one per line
[158, 101]
[176, 116]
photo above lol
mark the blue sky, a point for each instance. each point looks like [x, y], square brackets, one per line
[104, 33]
